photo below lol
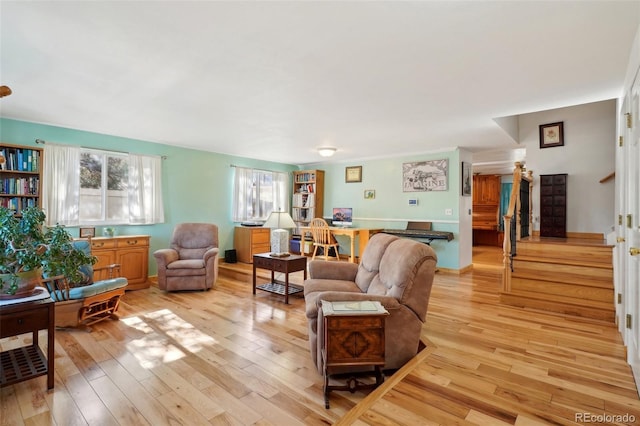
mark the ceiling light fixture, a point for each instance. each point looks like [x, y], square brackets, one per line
[326, 151]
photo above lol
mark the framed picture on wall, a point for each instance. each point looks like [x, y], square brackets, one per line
[87, 232]
[552, 135]
[466, 178]
[422, 176]
[353, 174]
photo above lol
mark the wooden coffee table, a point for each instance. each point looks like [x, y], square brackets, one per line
[286, 265]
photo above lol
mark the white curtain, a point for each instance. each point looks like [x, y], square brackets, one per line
[145, 190]
[281, 192]
[61, 184]
[242, 190]
[247, 202]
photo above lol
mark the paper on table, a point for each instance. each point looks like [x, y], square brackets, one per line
[355, 306]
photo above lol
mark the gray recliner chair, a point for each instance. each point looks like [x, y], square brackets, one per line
[397, 272]
[191, 261]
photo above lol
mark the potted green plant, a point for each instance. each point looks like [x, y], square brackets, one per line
[30, 250]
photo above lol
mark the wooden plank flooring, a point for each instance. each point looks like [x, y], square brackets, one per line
[230, 358]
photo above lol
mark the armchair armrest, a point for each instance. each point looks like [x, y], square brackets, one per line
[165, 256]
[211, 253]
[332, 270]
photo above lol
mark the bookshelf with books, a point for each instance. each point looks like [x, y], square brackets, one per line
[20, 177]
[308, 192]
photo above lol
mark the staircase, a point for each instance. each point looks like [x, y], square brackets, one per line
[568, 276]
[572, 276]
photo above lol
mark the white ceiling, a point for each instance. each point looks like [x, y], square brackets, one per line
[277, 80]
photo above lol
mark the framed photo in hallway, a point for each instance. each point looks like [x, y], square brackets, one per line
[466, 178]
[551, 135]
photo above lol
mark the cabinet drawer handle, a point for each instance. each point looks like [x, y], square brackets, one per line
[132, 243]
[98, 244]
[20, 321]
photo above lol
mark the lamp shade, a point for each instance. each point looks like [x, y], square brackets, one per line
[277, 221]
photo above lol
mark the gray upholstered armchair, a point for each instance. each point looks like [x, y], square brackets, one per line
[191, 261]
[397, 272]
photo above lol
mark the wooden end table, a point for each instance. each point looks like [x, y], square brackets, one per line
[353, 338]
[29, 361]
[286, 265]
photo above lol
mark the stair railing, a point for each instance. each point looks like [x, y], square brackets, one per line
[511, 229]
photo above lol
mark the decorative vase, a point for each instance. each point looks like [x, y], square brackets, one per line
[27, 283]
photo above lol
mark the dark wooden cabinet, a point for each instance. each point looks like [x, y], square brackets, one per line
[553, 205]
[352, 339]
[27, 362]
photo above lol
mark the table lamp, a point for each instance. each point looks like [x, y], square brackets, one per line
[278, 221]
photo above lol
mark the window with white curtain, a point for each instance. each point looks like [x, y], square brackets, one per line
[97, 187]
[257, 193]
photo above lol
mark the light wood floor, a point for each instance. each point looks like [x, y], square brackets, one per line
[230, 358]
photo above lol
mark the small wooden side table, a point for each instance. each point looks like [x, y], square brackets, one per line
[354, 336]
[286, 265]
[28, 361]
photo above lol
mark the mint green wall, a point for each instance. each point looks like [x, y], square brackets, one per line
[390, 208]
[197, 185]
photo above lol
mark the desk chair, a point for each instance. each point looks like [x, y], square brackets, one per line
[322, 237]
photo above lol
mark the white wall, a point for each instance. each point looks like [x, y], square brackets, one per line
[587, 156]
[465, 249]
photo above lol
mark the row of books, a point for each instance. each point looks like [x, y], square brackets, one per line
[305, 187]
[304, 199]
[305, 177]
[18, 203]
[302, 215]
[20, 186]
[19, 159]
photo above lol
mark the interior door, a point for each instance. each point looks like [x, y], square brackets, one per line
[632, 230]
[619, 251]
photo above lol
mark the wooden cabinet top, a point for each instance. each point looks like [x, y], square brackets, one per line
[119, 237]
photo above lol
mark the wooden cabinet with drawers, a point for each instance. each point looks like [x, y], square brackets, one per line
[553, 205]
[130, 251]
[26, 362]
[249, 240]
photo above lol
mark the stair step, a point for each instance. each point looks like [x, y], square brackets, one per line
[525, 257]
[564, 276]
[574, 293]
[585, 275]
[567, 306]
[571, 253]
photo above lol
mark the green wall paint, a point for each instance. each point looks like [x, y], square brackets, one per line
[197, 185]
[390, 208]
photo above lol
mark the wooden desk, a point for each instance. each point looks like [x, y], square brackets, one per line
[28, 361]
[363, 235]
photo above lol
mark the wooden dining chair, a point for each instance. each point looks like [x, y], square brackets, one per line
[323, 238]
